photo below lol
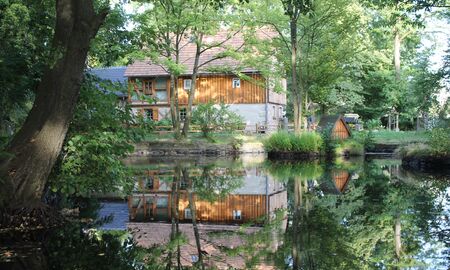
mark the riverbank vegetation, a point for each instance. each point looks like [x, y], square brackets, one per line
[307, 142]
[438, 145]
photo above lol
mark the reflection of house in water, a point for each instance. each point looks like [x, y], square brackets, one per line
[258, 196]
[340, 179]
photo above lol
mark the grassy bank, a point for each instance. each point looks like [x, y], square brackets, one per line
[399, 138]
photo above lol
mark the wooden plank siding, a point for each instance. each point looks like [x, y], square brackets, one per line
[340, 179]
[252, 207]
[340, 131]
[214, 88]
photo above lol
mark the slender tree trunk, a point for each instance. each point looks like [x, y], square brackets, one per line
[298, 198]
[174, 108]
[397, 45]
[194, 218]
[397, 238]
[191, 94]
[37, 145]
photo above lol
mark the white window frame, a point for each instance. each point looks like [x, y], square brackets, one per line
[237, 215]
[187, 84]
[187, 213]
[236, 83]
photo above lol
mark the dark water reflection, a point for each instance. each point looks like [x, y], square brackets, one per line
[253, 213]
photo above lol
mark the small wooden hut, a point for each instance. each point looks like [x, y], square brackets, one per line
[339, 129]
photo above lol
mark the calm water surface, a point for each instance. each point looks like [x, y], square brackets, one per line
[254, 213]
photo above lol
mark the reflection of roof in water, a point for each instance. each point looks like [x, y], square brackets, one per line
[215, 240]
[337, 183]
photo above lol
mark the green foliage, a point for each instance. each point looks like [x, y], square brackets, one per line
[366, 138]
[440, 141]
[112, 44]
[98, 140]
[349, 147]
[373, 124]
[328, 142]
[26, 28]
[283, 171]
[307, 142]
[70, 248]
[216, 117]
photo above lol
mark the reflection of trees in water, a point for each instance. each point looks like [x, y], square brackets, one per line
[381, 220]
[74, 247]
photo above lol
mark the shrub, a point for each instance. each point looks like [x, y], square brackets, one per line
[373, 124]
[440, 141]
[282, 141]
[329, 144]
[364, 138]
[415, 149]
[213, 117]
[350, 147]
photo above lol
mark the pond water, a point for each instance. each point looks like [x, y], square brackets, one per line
[254, 213]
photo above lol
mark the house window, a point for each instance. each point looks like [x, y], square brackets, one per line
[274, 113]
[161, 89]
[281, 112]
[187, 84]
[236, 83]
[237, 215]
[149, 183]
[187, 213]
[149, 114]
[147, 87]
[183, 114]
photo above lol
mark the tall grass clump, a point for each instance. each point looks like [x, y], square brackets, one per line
[278, 142]
[307, 142]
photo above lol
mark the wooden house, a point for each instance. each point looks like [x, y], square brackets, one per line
[339, 129]
[258, 197]
[244, 88]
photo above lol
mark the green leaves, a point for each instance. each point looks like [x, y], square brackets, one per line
[98, 141]
[212, 117]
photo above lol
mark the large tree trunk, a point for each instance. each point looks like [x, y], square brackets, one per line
[296, 92]
[37, 145]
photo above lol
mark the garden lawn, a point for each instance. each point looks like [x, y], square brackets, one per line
[216, 137]
[400, 138]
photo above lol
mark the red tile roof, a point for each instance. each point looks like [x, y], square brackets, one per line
[146, 68]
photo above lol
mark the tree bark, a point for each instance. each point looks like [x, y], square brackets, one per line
[174, 112]
[191, 94]
[397, 45]
[298, 205]
[294, 87]
[38, 143]
[194, 218]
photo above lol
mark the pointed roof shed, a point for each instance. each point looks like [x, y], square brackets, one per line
[340, 130]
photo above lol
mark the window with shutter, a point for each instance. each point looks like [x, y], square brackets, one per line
[148, 87]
